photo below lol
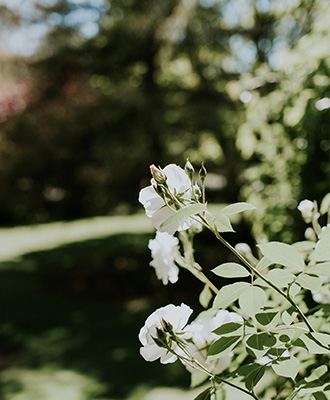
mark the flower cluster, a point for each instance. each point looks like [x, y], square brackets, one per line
[252, 325]
[166, 332]
[170, 190]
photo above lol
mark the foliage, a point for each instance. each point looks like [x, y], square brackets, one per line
[170, 79]
[279, 322]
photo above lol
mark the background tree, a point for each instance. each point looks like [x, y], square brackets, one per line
[120, 85]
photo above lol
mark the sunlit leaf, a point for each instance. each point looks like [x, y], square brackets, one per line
[280, 277]
[322, 248]
[283, 254]
[288, 316]
[310, 282]
[197, 378]
[222, 223]
[320, 269]
[263, 264]
[312, 346]
[231, 270]
[229, 293]
[325, 204]
[251, 300]
[187, 211]
[306, 245]
[237, 208]
[317, 373]
[205, 296]
[288, 368]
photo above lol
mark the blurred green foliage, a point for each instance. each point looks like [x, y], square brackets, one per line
[119, 85]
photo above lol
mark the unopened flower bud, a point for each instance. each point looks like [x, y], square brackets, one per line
[306, 207]
[202, 173]
[310, 234]
[167, 326]
[189, 169]
[243, 248]
[158, 175]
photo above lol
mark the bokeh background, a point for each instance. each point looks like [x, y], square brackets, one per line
[91, 93]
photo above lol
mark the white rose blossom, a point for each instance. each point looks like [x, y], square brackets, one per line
[164, 249]
[178, 317]
[178, 184]
[202, 337]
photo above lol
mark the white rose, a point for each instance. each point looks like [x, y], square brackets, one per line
[178, 183]
[178, 317]
[164, 249]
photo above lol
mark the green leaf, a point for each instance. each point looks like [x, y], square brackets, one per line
[310, 282]
[237, 208]
[283, 254]
[197, 378]
[322, 248]
[231, 270]
[288, 316]
[317, 373]
[229, 293]
[246, 369]
[183, 212]
[205, 395]
[312, 346]
[280, 277]
[320, 396]
[223, 346]
[222, 223]
[288, 368]
[259, 341]
[276, 351]
[306, 245]
[268, 318]
[205, 296]
[263, 264]
[324, 338]
[293, 394]
[254, 377]
[320, 269]
[228, 328]
[325, 204]
[251, 300]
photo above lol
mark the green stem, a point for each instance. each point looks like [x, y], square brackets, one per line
[197, 365]
[236, 387]
[262, 277]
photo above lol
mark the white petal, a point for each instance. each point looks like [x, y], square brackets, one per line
[150, 200]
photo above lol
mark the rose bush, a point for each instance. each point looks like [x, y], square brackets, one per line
[270, 324]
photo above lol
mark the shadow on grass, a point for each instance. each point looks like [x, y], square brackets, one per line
[80, 308]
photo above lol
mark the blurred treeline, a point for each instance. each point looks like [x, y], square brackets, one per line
[242, 85]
